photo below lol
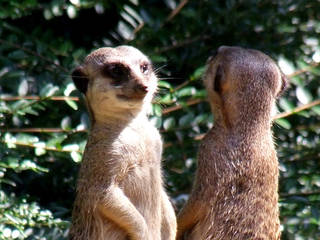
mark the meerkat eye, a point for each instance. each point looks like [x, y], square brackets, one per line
[144, 68]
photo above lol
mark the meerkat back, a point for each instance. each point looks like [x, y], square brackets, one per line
[120, 194]
[235, 194]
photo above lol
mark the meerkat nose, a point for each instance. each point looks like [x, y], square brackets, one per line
[141, 88]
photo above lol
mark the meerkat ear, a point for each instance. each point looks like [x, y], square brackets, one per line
[80, 79]
[284, 84]
[217, 79]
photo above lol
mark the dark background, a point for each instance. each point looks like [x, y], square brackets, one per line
[43, 130]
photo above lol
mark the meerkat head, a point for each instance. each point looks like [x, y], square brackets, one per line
[242, 84]
[116, 82]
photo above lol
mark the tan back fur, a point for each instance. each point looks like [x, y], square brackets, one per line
[235, 194]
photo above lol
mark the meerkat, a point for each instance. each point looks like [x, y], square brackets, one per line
[235, 193]
[120, 193]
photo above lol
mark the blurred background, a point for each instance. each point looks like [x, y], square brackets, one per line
[44, 124]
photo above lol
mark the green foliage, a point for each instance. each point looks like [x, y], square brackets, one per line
[44, 128]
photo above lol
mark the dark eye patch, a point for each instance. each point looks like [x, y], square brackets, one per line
[117, 71]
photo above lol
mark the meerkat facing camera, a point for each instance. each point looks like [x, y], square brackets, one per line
[120, 193]
[235, 194]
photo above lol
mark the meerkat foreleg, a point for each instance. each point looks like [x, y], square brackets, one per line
[169, 222]
[116, 207]
[188, 217]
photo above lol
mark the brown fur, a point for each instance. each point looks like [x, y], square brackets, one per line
[234, 196]
[120, 193]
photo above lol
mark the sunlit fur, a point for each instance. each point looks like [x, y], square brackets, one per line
[120, 194]
[235, 194]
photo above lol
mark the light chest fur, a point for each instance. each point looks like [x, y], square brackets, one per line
[132, 156]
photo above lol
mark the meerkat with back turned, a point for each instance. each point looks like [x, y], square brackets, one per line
[235, 194]
[120, 194]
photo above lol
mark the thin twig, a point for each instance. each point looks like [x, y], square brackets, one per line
[304, 194]
[45, 148]
[138, 28]
[53, 98]
[183, 43]
[185, 83]
[281, 115]
[309, 157]
[297, 109]
[178, 107]
[176, 10]
[41, 130]
[303, 70]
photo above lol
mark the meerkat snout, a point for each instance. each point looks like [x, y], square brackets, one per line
[122, 76]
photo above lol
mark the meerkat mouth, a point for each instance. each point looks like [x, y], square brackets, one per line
[138, 97]
[138, 93]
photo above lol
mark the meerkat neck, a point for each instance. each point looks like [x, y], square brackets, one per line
[115, 118]
[119, 121]
[251, 130]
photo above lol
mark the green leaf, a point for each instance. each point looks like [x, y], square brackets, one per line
[71, 147]
[17, 55]
[48, 90]
[156, 110]
[198, 73]
[23, 88]
[66, 123]
[40, 148]
[29, 110]
[316, 109]
[304, 96]
[26, 138]
[56, 141]
[169, 123]
[201, 94]
[72, 104]
[283, 123]
[28, 164]
[187, 91]
[166, 99]
[286, 65]
[202, 118]
[164, 84]
[13, 162]
[286, 105]
[156, 121]
[76, 157]
[186, 120]
[315, 71]
[158, 58]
